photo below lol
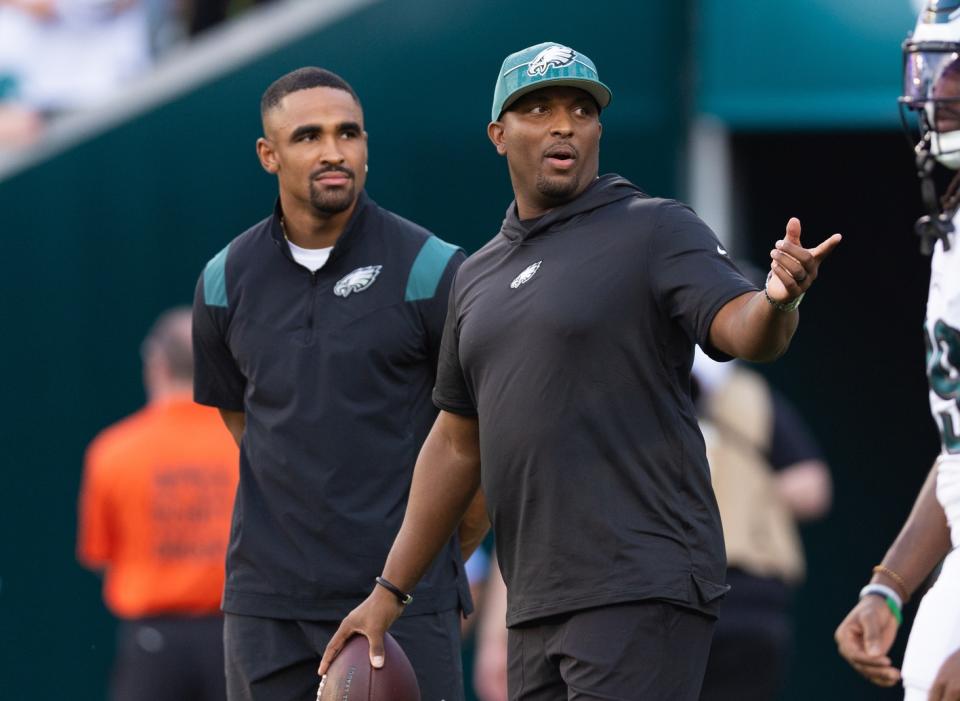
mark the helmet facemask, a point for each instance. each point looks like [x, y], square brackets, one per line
[931, 90]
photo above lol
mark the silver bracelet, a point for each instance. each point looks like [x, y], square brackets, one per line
[783, 306]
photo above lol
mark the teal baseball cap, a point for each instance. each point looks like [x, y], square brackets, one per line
[546, 64]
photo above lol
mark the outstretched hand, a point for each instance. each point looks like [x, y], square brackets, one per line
[864, 639]
[793, 268]
[370, 619]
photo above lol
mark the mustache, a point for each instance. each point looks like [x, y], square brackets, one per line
[332, 169]
[561, 147]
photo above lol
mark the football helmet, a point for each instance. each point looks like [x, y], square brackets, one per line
[931, 89]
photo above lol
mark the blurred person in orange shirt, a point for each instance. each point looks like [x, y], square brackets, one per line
[155, 511]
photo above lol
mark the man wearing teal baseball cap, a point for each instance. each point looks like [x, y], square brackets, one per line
[564, 389]
[542, 65]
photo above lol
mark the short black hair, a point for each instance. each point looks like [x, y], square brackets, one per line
[302, 79]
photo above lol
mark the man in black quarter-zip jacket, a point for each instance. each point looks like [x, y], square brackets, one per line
[564, 387]
[317, 334]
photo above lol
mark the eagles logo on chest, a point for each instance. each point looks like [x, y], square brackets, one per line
[525, 276]
[356, 281]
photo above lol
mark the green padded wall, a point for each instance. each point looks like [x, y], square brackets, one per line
[801, 63]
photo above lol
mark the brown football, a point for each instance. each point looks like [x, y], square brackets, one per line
[352, 678]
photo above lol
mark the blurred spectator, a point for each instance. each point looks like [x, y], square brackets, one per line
[59, 56]
[490, 661]
[19, 124]
[155, 517]
[167, 25]
[477, 568]
[767, 474]
[205, 14]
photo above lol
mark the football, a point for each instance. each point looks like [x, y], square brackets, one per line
[352, 678]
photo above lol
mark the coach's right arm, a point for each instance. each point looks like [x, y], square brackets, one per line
[445, 480]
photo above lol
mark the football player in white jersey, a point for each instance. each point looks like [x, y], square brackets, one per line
[931, 665]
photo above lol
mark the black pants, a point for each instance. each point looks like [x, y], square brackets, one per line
[276, 660]
[752, 642]
[639, 651]
[169, 659]
[745, 667]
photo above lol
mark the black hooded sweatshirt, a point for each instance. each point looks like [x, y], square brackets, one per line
[571, 338]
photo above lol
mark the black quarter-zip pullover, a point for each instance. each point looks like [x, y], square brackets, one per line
[333, 370]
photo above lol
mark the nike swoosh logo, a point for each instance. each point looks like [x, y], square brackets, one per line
[721, 251]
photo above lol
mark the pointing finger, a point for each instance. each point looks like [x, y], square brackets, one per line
[825, 248]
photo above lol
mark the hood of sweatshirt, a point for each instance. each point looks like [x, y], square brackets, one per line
[601, 192]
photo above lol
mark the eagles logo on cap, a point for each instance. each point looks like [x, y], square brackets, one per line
[555, 55]
[543, 65]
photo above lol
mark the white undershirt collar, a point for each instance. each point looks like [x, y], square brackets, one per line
[311, 258]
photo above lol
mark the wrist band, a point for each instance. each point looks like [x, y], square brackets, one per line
[889, 596]
[884, 591]
[402, 597]
[783, 306]
[880, 569]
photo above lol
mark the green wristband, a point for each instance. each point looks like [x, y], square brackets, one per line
[894, 609]
[888, 595]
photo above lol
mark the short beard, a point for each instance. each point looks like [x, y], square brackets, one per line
[557, 190]
[332, 202]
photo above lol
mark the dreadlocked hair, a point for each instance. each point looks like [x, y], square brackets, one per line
[951, 198]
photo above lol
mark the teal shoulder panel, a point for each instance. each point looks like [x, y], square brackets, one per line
[428, 269]
[215, 280]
